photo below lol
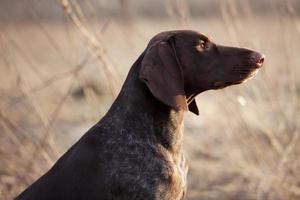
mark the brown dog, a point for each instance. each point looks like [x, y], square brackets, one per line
[134, 152]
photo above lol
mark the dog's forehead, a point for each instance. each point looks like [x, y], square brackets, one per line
[187, 35]
[192, 37]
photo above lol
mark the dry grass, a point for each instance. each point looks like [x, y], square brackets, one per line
[58, 78]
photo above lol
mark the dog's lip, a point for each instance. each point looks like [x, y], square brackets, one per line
[243, 78]
[254, 72]
[249, 76]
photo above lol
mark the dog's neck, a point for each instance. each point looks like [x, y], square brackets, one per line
[139, 110]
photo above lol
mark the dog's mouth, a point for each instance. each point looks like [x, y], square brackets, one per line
[240, 76]
[245, 74]
[251, 75]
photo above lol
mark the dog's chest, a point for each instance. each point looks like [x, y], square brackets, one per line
[155, 173]
[140, 166]
[175, 173]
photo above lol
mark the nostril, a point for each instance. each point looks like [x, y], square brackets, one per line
[258, 59]
[261, 60]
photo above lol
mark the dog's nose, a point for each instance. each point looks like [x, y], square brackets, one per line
[258, 58]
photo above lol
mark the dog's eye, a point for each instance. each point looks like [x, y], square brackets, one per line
[202, 45]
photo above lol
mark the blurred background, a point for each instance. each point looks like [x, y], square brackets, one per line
[63, 62]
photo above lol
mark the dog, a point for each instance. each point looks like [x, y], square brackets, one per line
[135, 151]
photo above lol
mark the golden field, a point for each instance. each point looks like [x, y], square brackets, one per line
[63, 62]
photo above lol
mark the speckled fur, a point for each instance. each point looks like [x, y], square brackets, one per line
[134, 152]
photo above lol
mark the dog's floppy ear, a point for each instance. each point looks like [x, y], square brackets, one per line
[163, 75]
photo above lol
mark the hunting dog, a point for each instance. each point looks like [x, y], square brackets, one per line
[135, 151]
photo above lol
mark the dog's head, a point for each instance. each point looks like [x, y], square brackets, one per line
[181, 64]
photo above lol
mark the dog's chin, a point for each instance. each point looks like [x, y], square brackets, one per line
[250, 75]
[220, 84]
[241, 79]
